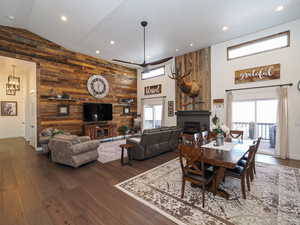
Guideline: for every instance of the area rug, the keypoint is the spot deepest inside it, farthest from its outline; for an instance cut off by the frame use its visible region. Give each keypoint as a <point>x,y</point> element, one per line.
<point>274,197</point>
<point>110,151</point>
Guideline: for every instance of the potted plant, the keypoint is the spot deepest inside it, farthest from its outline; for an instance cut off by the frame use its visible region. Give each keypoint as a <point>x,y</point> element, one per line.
<point>123,130</point>
<point>220,130</point>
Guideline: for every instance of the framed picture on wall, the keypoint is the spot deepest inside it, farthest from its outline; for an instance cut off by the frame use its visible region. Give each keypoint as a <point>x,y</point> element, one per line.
<point>9,108</point>
<point>170,108</point>
<point>63,110</point>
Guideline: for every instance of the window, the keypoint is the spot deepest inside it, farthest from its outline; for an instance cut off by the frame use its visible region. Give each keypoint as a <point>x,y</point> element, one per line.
<point>152,116</point>
<point>268,43</point>
<point>153,73</point>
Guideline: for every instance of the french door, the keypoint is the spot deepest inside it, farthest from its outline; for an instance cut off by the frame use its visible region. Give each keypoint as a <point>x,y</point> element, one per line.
<point>257,118</point>
<point>152,116</point>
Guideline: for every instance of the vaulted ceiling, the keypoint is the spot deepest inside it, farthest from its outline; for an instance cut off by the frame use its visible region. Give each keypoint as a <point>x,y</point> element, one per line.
<point>173,24</point>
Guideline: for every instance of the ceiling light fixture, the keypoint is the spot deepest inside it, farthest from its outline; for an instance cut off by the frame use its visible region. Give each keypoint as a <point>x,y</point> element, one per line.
<point>112,42</point>
<point>279,8</point>
<point>224,28</point>
<point>97,52</point>
<point>11,17</point>
<point>64,18</point>
<point>177,50</point>
<point>191,44</point>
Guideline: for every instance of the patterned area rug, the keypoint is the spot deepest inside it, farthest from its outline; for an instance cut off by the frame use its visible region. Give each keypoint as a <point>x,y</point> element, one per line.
<point>110,151</point>
<point>274,197</point>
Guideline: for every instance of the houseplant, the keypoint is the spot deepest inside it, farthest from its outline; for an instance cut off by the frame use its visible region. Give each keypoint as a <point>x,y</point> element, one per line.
<point>123,130</point>
<point>220,130</point>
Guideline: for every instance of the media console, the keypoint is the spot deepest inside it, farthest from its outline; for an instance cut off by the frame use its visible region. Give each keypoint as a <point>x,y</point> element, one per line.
<point>98,130</point>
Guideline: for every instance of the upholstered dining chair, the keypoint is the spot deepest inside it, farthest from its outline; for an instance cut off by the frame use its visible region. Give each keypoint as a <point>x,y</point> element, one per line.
<point>245,158</point>
<point>236,134</point>
<point>193,169</point>
<point>243,172</point>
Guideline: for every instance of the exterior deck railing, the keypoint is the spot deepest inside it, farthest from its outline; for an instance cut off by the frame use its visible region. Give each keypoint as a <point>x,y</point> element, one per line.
<point>265,130</point>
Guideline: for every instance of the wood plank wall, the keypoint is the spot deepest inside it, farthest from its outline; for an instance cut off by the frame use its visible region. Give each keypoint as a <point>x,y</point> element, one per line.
<point>200,62</point>
<point>68,71</point>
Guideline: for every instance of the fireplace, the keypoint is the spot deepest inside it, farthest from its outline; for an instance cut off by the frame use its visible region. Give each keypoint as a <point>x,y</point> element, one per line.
<point>193,122</point>
<point>191,127</point>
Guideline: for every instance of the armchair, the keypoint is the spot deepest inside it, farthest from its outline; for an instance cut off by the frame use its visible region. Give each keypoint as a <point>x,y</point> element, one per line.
<point>72,150</point>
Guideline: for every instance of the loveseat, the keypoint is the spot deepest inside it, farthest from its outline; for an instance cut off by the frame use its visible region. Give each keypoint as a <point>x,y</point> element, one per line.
<point>154,142</point>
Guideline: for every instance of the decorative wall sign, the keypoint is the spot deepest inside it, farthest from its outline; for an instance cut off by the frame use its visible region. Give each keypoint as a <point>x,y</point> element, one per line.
<point>153,90</point>
<point>9,108</point>
<point>269,72</point>
<point>63,110</point>
<point>98,86</point>
<point>170,108</point>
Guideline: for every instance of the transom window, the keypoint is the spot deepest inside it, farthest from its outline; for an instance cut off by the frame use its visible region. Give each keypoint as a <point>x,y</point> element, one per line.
<point>280,40</point>
<point>153,73</point>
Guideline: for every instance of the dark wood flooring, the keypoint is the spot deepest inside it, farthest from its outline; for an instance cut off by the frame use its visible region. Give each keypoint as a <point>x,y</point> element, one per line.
<point>35,191</point>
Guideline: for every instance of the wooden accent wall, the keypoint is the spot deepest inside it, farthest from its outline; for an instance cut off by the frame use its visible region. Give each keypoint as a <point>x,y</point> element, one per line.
<point>201,74</point>
<point>68,71</point>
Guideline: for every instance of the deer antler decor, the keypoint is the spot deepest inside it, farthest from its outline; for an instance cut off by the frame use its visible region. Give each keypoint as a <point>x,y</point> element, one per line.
<point>191,88</point>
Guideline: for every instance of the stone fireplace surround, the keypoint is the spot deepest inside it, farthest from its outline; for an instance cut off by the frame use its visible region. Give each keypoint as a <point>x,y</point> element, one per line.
<point>193,121</point>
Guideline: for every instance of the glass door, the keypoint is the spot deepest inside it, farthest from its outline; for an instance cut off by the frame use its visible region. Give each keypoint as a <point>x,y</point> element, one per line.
<point>152,116</point>
<point>257,118</point>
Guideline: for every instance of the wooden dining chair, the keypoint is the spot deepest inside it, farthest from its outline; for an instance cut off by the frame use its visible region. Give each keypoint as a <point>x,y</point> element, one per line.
<point>193,169</point>
<point>191,139</point>
<point>236,134</point>
<point>243,172</point>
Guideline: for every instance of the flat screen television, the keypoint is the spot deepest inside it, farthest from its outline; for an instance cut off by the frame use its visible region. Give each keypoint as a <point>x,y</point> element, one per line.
<point>97,112</point>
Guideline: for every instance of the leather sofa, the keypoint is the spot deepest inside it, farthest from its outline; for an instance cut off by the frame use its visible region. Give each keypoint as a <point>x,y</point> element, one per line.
<point>72,150</point>
<point>154,142</point>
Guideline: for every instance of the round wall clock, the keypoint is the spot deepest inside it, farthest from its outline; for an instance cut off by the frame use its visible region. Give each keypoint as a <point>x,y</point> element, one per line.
<point>97,86</point>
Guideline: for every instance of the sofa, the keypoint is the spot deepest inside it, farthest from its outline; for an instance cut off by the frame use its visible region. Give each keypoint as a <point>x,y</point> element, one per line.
<point>72,150</point>
<point>153,142</point>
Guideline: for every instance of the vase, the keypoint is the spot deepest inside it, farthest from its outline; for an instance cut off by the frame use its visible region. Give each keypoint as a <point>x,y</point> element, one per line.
<point>219,139</point>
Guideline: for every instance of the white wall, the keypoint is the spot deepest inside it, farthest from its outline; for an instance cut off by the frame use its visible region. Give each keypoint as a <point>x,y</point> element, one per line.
<point>168,90</point>
<point>223,73</point>
<point>14,126</point>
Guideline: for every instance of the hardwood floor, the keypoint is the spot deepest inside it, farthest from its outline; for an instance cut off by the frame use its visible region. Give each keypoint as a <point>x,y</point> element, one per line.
<point>35,191</point>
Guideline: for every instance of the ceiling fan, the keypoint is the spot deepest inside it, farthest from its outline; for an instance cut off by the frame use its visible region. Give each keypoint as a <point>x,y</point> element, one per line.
<point>144,64</point>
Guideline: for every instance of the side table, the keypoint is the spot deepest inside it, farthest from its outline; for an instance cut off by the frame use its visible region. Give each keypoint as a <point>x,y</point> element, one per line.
<point>129,155</point>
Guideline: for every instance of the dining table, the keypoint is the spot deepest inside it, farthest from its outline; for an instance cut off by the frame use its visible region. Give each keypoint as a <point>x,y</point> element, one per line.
<point>224,157</point>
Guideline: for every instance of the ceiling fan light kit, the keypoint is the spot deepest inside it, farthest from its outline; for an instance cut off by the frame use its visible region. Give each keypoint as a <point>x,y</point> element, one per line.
<point>144,64</point>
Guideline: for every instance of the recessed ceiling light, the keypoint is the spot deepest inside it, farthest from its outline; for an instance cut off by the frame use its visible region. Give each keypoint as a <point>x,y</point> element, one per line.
<point>112,42</point>
<point>279,8</point>
<point>11,17</point>
<point>176,49</point>
<point>64,18</point>
<point>224,28</point>
<point>97,52</point>
<point>191,44</point>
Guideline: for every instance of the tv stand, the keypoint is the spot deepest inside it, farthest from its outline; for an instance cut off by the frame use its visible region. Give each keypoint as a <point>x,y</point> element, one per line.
<point>98,130</point>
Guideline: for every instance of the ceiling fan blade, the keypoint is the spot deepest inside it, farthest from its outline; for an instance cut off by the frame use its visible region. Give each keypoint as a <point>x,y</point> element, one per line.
<point>122,61</point>
<point>159,61</point>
